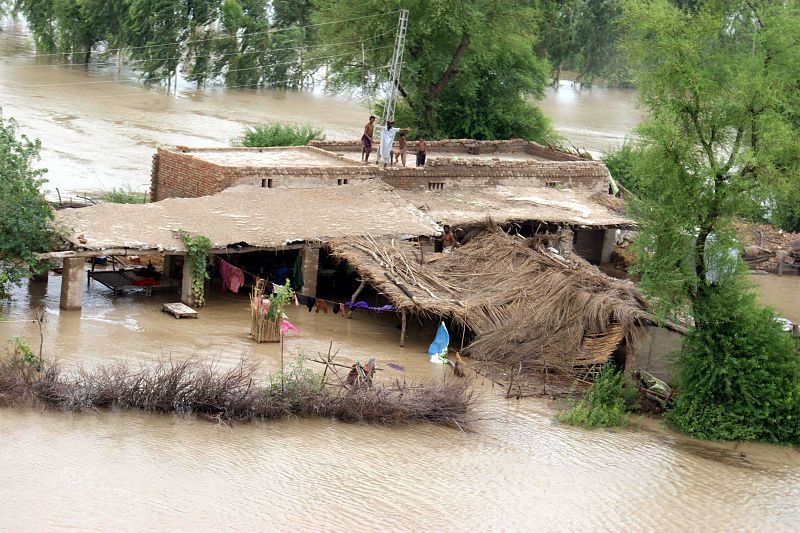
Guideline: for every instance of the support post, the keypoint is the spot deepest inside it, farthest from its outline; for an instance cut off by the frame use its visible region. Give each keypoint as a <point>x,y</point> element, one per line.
<point>166,271</point>
<point>355,295</point>
<point>72,284</point>
<point>310,270</point>
<point>186,285</point>
<point>566,241</point>
<point>403,314</point>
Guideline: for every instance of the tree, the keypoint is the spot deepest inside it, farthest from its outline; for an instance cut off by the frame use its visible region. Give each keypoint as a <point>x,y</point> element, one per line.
<point>25,216</point>
<point>720,83</point>
<point>457,53</point>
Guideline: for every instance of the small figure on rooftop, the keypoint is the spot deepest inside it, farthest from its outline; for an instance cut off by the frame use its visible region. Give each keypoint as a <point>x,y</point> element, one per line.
<point>387,141</point>
<point>400,155</point>
<point>422,151</point>
<point>366,139</point>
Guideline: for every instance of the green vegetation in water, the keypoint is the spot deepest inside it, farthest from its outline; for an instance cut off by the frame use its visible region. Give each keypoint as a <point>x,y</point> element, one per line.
<point>739,376</point>
<point>604,405</point>
<point>25,216</point>
<point>197,248</point>
<point>122,195</point>
<point>266,135</point>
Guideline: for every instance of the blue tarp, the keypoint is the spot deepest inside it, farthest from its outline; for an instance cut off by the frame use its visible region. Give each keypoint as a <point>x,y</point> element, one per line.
<point>438,348</point>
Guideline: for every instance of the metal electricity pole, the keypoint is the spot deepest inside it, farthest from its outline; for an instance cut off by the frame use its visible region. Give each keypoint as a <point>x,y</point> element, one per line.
<point>396,67</point>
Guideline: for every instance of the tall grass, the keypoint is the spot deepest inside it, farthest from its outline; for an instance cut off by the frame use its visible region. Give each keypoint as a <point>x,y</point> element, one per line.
<point>122,195</point>
<point>603,406</point>
<point>266,135</point>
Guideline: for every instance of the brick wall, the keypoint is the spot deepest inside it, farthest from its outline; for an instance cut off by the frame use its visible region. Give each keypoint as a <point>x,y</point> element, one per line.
<point>176,172</point>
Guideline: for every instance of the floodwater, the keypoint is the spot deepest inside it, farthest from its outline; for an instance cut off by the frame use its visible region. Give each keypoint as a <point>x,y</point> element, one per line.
<point>128,471</point>
<point>518,469</point>
<point>99,128</point>
<point>780,293</point>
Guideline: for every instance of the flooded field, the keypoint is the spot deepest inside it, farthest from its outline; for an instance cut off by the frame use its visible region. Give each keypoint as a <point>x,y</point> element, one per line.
<point>129,471</point>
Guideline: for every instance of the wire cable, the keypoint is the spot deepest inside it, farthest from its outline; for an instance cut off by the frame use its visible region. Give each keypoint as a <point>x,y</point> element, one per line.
<point>278,30</point>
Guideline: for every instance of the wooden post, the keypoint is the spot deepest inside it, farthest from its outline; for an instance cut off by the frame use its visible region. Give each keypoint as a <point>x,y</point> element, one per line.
<point>403,314</point>
<point>355,295</point>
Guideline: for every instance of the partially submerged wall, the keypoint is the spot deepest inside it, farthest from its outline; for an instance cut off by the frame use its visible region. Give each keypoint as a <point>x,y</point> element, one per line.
<point>655,352</point>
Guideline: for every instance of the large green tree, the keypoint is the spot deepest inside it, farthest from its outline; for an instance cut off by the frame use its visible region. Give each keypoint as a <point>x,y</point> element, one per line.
<point>470,69</point>
<point>720,83</point>
<point>25,216</point>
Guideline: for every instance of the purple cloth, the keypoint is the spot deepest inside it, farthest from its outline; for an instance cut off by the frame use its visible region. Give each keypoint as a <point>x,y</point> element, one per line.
<point>367,142</point>
<point>365,305</point>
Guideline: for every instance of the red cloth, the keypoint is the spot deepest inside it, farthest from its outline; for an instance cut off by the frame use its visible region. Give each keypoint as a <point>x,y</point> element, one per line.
<point>232,277</point>
<point>145,282</point>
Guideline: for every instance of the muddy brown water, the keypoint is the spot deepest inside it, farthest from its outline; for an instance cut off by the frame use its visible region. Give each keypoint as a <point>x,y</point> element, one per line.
<point>128,471</point>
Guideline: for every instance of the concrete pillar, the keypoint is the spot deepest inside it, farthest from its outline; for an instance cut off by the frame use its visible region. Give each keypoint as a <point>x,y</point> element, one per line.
<point>186,286</point>
<point>72,284</point>
<point>169,260</point>
<point>609,242</point>
<point>310,270</point>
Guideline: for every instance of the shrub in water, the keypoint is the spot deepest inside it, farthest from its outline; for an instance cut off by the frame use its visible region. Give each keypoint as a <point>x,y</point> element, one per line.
<point>266,135</point>
<point>603,406</point>
<point>739,373</point>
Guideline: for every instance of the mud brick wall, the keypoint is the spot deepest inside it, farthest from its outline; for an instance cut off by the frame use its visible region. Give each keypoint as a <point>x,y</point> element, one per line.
<point>177,172</point>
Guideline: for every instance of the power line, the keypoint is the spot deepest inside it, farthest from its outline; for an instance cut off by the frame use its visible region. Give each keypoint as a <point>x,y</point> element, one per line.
<point>278,30</point>
<point>224,87</point>
<point>210,56</point>
<point>300,62</point>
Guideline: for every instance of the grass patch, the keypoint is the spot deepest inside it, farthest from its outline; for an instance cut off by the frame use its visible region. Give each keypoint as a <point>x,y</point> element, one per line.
<point>604,405</point>
<point>122,195</point>
<point>266,135</point>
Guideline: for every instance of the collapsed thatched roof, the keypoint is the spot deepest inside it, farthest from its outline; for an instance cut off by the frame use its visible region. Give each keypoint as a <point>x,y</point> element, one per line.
<point>523,304</point>
<point>260,217</point>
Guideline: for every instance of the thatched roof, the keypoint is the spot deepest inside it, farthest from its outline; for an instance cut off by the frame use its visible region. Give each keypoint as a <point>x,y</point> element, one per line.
<point>523,304</point>
<point>260,217</point>
<point>472,205</point>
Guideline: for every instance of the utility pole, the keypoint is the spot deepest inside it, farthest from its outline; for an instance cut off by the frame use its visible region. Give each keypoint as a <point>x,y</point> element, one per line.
<point>396,66</point>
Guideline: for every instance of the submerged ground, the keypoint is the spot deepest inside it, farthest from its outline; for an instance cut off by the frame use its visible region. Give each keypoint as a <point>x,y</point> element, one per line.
<point>132,471</point>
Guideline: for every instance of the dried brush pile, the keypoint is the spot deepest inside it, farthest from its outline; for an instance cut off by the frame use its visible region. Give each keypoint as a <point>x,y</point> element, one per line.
<point>524,303</point>
<point>231,394</point>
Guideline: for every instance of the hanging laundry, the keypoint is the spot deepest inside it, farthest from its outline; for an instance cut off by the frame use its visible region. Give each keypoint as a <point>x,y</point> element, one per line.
<point>295,300</point>
<point>232,277</point>
<point>360,304</point>
<point>438,348</point>
<point>311,302</point>
<point>287,326</point>
<point>341,311</point>
<point>335,309</point>
<point>298,272</point>
<point>321,305</point>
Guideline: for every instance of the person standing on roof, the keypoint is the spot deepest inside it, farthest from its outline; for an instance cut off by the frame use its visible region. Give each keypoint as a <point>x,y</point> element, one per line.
<point>387,141</point>
<point>366,139</point>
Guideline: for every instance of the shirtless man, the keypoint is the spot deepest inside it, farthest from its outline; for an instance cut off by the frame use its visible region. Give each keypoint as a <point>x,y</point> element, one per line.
<point>366,139</point>
<point>449,240</point>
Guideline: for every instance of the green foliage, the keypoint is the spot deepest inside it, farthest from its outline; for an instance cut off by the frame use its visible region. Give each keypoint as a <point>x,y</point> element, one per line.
<point>621,164</point>
<point>197,248</point>
<point>22,354</point>
<point>719,85</point>
<point>469,67</point>
<point>278,300</point>
<point>739,375</point>
<point>603,406</point>
<point>25,216</point>
<point>277,134</point>
<point>122,195</point>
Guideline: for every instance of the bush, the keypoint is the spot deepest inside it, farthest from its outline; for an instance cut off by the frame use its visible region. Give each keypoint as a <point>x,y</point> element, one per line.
<point>739,373</point>
<point>266,135</point>
<point>620,163</point>
<point>603,406</point>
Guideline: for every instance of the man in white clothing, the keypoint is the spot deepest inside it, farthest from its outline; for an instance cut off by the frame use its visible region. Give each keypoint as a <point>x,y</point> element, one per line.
<point>387,141</point>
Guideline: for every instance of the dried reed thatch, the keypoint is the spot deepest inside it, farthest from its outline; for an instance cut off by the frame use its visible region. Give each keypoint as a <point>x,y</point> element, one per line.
<point>524,303</point>
<point>232,394</point>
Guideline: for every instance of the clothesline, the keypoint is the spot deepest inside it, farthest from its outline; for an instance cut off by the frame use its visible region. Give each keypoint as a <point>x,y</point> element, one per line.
<point>311,302</point>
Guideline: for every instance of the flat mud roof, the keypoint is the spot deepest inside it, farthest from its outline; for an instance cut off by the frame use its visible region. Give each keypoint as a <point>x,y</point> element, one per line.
<point>277,157</point>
